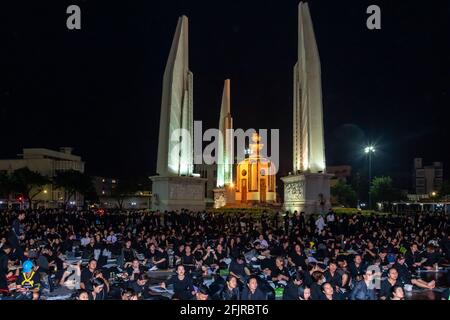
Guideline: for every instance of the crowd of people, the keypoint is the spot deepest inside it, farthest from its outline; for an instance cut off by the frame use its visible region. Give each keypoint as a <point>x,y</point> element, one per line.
<point>220,256</point>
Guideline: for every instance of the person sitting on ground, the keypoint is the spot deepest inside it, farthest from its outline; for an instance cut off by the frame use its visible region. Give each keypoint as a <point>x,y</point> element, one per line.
<point>28,284</point>
<point>297,258</point>
<point>140,285</point>
<point>332,276</point>
<point>4,267</point>
<point>202,293</point>
<point>100,290</point>
<point>316,286</point>
<point>81,295</point>
<point>413,257</point>
<point>431,257</point>
<point>357,268</point>
<point>182,284</point>
<point>188,259</point>
<point>291,291</point>
<point>364,289</point>
<point>135,269</point>
<point>90,273</point>
<point>387,284</point>
<point>251,290</point>
<point>304,293</point>
<point>239,269</point>
<point>404,275</point>
<point>329,293</point>
<point>280,272</point>
<point>231,290</point>
<point>397,293</point>
<point>128,295</point>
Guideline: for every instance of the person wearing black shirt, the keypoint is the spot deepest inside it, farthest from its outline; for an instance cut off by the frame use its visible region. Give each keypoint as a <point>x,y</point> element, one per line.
<point>317,280</point>
<point>332,276</point>
<point>238,268</point>
<point>405,277</point>
<point>4,259</point>
<point>280,272</point>
<point>357,268</point>
<point>251,291</point>
<point>161,259</point>
<point>128,252</point>
<point>16,235</point>
<point>89,274</point>
<point>297,258</point>
<point>397,293</point>
<point>412,256</point>
<point>231,290</point>
<point>387,284</point>
<point>182,284</point>
<point>329,293</point>
<point>432,257</point>
<point>135,269</point>
<point>210,257</point>
<point>140,286</point>
<point>291,291</point>
<point>188,259</point>
<point>99,291</point>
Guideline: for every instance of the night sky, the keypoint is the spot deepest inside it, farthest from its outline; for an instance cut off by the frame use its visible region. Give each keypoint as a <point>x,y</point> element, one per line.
<point>99,89</point>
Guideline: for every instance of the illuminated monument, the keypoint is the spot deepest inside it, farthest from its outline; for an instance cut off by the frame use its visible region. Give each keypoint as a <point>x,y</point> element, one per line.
<point>224,193</point>
<point>175,187</point>
<point>308,187</point>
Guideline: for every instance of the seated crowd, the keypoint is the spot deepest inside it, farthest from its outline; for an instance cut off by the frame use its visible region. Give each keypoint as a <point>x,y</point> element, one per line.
<point>219,256</point>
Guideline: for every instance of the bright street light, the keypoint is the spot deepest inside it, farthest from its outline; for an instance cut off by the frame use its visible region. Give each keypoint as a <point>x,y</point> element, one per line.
<point>369,149</point>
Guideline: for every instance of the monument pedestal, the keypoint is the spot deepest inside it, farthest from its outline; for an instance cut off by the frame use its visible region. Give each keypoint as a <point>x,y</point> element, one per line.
<point>178,192</point>
<point>307,192</point>
<point>225,196</point>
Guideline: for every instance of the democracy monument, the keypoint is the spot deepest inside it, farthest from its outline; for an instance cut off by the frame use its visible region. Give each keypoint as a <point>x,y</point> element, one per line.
<point>176,186</point>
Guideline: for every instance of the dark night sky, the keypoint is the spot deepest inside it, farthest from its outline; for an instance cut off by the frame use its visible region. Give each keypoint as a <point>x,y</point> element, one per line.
<point>99,89</point>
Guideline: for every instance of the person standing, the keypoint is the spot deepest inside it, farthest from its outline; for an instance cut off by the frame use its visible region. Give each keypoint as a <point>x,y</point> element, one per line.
<point>17,234</point>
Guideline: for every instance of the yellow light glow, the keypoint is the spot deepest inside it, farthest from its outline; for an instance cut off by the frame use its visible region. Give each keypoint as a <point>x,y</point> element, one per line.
<point>45,191</point>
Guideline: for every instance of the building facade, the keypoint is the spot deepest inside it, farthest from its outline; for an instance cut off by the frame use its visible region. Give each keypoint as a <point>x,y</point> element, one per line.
<point>255,177</point>
<point>427,179</point>
<point>46,162</point>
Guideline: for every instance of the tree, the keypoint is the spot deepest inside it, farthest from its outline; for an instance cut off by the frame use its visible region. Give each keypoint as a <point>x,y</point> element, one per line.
<point>72,182</point>
<point>28,183</point>
<point>383,191</point>
<point>6,187</point>
<point>345,194</point>
<point>444,192</point>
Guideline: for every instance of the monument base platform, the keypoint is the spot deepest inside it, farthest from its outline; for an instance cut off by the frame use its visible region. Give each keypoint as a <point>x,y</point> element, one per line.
<point>224,197</point>
<point>307,192</point>
<point>176,193</point>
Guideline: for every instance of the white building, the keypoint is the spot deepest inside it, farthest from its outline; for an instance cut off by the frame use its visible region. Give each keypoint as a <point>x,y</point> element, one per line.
<point>47,162</point>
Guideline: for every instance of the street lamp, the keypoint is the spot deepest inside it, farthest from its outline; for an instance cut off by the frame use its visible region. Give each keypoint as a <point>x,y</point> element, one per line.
<point>369,150</point>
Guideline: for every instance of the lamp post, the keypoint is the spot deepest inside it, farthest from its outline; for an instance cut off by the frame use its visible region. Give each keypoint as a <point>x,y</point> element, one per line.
<point>369,150</point>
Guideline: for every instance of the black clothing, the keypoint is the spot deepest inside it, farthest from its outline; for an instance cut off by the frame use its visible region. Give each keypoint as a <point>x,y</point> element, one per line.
<point>230,294</point>
<point>182,288</point>
<point>86,278</point>
<point>385,289</point>
<point>248,295</point>
<point>291,291</point>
